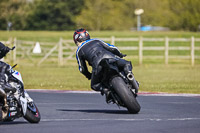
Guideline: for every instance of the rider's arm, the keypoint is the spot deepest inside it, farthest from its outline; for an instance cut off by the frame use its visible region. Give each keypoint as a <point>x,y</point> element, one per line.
<point>4,72</point>
<point>113,49</point>
<point>3,50</point>
<point>83,67</point>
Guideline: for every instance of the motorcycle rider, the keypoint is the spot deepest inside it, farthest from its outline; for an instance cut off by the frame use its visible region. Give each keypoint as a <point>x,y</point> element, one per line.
<point>94,51</point>
<point>3,70</point>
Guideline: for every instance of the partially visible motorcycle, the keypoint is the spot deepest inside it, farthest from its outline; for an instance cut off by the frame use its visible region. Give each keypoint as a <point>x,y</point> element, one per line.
<point>122,88</point>
<point>16,102</point>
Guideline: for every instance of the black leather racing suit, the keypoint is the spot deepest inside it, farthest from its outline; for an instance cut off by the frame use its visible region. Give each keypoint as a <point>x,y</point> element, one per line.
<point>3,70</point>
<point>93,51</point>
<point>3,66</point>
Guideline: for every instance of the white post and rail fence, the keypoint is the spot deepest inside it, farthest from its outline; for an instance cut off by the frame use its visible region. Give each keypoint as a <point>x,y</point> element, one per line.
<point>65,50</point>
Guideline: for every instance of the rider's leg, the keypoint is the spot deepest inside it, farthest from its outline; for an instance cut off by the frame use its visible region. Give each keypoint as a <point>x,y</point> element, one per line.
<point>5,105</point>
<point>3,95</point>
<point>97,86</point>
<point>95,82</point>
<point>3,69</point>
<point>2,87</point>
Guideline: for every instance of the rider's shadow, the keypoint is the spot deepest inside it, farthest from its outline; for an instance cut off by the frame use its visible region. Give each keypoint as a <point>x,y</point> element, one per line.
<point>96,111</point>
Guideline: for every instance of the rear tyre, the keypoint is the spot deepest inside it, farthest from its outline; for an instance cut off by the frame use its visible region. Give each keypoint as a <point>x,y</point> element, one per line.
<point>32,113</point>
<point>1,119</point>
<point>125,94</point>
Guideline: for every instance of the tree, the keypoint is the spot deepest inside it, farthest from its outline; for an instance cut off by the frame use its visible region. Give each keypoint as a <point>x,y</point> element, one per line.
<point>53,14</point>
<point>13,11</point>
<point>93,14</point>
<point>103,15</point>
<point>155,12</point>
<point>98,14</point>
<point>119,14</point>
<point>186,14</point>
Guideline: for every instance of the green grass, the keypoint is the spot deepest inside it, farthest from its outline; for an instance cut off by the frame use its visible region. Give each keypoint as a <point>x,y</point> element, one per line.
<point>54,36</point>
<point>53,77</point>
<point>172,79</point>
<point>152,78</point>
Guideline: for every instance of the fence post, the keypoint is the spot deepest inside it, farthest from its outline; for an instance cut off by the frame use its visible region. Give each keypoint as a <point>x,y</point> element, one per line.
<point>48,54</point>
<point>166,50</point>
<point>60,53</point>
<point>140,50</point>
<point>192,51</point>
<point>112,40</point>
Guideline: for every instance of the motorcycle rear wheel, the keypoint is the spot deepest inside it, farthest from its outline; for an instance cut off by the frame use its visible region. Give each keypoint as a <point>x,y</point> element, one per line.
<point>125,94</point>
<point>1,113</point>
<point>31,116</point>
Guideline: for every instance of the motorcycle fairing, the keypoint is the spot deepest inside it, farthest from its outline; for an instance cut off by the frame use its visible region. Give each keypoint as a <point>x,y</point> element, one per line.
<point>23,102</point>
<point>17,75</point>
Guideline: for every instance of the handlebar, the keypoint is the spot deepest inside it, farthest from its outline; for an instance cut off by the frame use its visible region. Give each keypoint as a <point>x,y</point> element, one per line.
<point>12,48</point>
<point>14,66</point>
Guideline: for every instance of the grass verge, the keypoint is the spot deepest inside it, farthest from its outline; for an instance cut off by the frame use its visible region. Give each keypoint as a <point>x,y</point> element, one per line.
<point>153,78</point>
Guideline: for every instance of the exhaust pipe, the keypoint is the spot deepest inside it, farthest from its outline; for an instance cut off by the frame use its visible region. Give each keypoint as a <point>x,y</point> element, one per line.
<point>130,76</point>
<point>133,82</point>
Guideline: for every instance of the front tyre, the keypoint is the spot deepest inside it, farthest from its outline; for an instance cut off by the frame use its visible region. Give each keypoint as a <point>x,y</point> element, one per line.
<point>125,95</point>
<point>32,113</point>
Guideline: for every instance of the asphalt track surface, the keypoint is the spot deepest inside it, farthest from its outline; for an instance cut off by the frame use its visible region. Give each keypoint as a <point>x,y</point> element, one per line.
<point>67,112</point>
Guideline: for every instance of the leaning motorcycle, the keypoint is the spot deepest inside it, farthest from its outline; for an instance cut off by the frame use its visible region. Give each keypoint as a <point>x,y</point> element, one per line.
<point>16,101</point>
<point>122,91</point>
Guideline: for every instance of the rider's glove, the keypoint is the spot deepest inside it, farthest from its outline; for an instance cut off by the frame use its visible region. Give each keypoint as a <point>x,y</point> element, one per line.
<point>122,55</point>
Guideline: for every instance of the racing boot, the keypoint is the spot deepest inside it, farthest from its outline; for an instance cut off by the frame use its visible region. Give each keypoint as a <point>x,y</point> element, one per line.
<point>107,94</point>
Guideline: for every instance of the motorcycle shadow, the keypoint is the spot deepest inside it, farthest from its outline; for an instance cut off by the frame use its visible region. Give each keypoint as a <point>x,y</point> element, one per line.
<point>13,123</point>
<point>96,111</point>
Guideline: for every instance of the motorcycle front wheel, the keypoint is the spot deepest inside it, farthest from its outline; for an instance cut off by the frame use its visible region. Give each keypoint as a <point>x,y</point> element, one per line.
<point>125,94</point>
<point>32,113</point>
